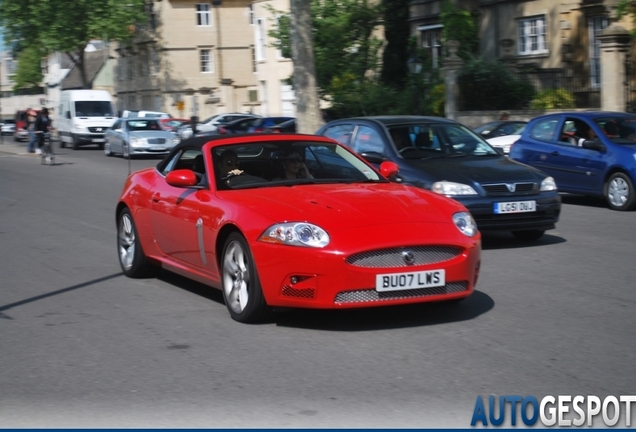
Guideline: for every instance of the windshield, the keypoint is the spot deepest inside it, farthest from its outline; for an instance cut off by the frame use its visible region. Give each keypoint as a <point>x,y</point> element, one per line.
<point>428,140</point>
<point>94,109</point>
<point>143,125</point>
<point>620,130</point>
<point>288,163</point>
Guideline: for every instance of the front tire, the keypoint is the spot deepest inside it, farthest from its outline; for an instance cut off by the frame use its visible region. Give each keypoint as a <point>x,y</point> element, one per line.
<point>528,235</point>
<point>132,259</point>
<point>619,192</point>
<point>241,287</point>
<point>107,151</point>
<point>75,142</point>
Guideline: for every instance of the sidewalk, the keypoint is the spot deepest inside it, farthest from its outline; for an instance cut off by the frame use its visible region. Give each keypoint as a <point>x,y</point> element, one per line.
<point>10,146</point>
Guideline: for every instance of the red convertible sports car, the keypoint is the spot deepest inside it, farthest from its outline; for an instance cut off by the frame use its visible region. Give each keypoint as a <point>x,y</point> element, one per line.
<point>290,220</point>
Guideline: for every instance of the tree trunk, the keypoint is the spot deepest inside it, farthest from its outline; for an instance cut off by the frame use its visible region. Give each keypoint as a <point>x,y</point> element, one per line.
<point>308,115</point>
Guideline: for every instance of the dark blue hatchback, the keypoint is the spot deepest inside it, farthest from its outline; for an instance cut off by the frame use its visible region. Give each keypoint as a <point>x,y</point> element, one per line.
<point>448,158</point>
<point>588,153</point>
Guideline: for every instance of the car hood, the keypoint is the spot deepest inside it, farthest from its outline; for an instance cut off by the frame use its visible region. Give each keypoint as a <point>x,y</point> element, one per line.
<point>334,207</point>
<point>474,169</point>
<point>503,140</point>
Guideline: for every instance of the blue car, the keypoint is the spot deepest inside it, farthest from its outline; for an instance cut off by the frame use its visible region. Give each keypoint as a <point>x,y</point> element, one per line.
<point>448,158</point>
<point>587,153</point>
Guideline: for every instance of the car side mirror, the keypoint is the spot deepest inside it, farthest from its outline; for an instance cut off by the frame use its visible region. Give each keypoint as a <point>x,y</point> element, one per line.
<point>389,169</point>
<point>594,145</point>
<point>373,157</point>
<point>182,178</point>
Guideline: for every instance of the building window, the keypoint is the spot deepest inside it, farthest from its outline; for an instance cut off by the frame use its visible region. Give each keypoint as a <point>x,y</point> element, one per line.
<point>121,69</point>
<point>431,37</point>
<point>205,58</point>
<point>595,27</point>
<point>203,14</point>
<point>532,38</point>
<point>155,61</point>
<point>259,44</point>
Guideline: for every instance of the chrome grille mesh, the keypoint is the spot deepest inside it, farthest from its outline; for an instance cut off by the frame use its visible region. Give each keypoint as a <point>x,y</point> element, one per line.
<point>519,188</point>
<point>371,295</point>
<point>156,140</point>
<point>394,257</point>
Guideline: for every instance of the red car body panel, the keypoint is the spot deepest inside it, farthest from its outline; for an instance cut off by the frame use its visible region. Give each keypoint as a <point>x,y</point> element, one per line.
<point>359,217</point>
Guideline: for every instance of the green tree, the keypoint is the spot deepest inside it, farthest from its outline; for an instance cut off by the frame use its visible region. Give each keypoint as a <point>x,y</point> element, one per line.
<point>396,52</point>
<point>69,25</point>
<point>626,8</point>
<point>344,45</point>
<point>460,25</point>
<point>28,73</point>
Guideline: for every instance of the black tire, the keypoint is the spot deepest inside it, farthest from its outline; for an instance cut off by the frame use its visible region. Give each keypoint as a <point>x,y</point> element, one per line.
<point>239,282</point>
<point>132,259</point>
<point>528,235</point>
<point>62,144</point>
<point>619,192</point>
<point>75,142</point>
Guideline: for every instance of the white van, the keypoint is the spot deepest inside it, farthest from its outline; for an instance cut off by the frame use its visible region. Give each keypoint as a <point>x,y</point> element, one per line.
<point>84,116</point>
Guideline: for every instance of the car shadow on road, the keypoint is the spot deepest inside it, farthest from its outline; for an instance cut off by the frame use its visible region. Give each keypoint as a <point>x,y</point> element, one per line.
<point>375,318</point>
<point>387,317</point>
<point>582,200</point>
<point>505,240</point>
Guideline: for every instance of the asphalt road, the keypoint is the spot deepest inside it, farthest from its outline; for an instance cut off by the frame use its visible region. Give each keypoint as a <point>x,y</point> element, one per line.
<point>83,346</point>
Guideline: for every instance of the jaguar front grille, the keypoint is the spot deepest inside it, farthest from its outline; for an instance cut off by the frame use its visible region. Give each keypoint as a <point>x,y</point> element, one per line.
<point>404,256</point>
<point>371,295</point>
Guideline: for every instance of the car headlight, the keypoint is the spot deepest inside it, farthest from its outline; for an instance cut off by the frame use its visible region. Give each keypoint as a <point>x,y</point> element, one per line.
<point>451,188</point>
<point>548,184</point>
<point>176,140</point>
<point>81,128</point>
<point>296,234</point>
<point>137,141</point>
<point>465,223</point>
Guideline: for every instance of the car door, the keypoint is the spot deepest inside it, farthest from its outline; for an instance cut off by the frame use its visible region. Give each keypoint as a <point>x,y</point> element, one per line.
<point>114,137</point>
<point>574,168</point>
<point>175,216</point>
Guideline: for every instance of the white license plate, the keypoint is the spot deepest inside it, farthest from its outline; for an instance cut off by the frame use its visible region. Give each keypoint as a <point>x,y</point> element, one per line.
<point>98,140</point>
<point>405,281</point>
<point>157,147</point>
<point>515,207</point>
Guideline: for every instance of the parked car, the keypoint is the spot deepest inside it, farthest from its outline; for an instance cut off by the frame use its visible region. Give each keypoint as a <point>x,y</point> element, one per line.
<point>588,153</point>
<point>504,142</point>
<point>234,127</point>
<point>20,132</point>
<point>499,128</point>
<point>208,212</point>
<point>138,136</point>
<point>171,124</point>
<point>448,158</point>
<point>211,123</point>
<point>8,127</point>
<point>263,123</point>
<point>288,126</point>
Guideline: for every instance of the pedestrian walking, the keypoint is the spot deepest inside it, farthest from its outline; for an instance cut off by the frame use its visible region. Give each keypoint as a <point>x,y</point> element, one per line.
<point>30,127</point>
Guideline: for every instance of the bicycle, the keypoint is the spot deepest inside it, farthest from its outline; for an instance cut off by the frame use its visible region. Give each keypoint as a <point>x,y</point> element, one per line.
<point>47,156</point>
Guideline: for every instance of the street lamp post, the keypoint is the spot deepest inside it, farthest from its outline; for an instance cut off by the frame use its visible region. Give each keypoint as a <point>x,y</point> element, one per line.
<point>415,68</point>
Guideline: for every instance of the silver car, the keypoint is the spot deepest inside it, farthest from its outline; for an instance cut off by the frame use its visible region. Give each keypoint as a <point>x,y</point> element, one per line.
<point>138,136</point>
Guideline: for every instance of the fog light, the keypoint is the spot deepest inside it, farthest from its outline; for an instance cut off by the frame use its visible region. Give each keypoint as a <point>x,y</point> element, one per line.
<point>293,280</point>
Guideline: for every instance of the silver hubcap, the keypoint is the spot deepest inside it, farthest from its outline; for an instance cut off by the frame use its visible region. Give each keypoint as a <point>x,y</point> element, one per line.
<point>126,237</point>
<point>236,277</point>
<point>618,192</point>
<point>107,148</point>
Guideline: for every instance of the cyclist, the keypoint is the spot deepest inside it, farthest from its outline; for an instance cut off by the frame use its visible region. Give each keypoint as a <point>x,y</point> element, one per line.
<point>43,128</point>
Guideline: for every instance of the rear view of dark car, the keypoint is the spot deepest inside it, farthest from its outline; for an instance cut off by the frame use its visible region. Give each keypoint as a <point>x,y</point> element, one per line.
<point>263,123</point>
<point>446,157</point>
